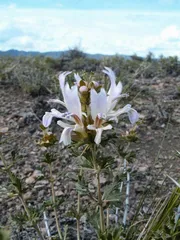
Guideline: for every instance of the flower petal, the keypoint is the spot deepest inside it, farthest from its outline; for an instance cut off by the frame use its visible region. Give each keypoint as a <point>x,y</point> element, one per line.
<point>71,97</point>
<point>133,116</point>
<point>62,78</point>
<point>112,77</point>
<point>98,103</point>
<point>114,91</point>
<point>108,127</point>
<point>77,78</point>
<point>120,111</point>
<point>66,136</point>
<point>99,131</point>
<point>57,101</point>
<point>72,100</point>
<point>97,139</point>
<point>47,118</point>
<point>63,124</point>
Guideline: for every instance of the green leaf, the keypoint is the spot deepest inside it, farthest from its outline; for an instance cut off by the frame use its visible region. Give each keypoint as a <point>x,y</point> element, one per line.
<point>4,235</point>
<point>49,158</point>
<point>111,193</point>
<point>16,183</point>
<point>81,188</point>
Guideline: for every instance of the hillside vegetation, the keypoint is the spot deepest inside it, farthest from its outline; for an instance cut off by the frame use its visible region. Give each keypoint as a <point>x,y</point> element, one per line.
<point>140,200</point>
<point>38,75</point>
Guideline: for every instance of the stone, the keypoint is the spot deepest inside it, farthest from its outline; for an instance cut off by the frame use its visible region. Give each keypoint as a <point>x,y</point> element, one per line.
<point>102,180</point>
<point>59,193</point>
<point>27,195</point>
<point>143,169</point>
<point>37,174</point>
<point>4,129</point>
<point>41,193</point>
<point>43,182</point>
<point>30,180</point>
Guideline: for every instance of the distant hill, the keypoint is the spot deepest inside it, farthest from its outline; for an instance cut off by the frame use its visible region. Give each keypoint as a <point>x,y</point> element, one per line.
<point>57,54</point>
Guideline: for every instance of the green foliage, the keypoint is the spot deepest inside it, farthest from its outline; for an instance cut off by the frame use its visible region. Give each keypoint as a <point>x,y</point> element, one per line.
<point>39,75</point>
<point>112,233</point>
<point>49,158</point>
<point>20,218</point>
<point>75,53</point>
<point>29,73</point>
<point>4,235</point>
<point>111,193</point>
<point>162,224</point>
<point>170,65</point>
<point>17,183</point>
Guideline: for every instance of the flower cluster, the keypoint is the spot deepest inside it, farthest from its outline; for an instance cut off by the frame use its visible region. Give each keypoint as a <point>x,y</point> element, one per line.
<point>90,109</point>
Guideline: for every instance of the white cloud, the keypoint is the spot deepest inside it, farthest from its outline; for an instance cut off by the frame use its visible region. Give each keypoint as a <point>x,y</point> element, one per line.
<point>11,6</point>
<point>59,5</point>
<point>98,31</point>
<point>167,1</point>
<point>170,32</point>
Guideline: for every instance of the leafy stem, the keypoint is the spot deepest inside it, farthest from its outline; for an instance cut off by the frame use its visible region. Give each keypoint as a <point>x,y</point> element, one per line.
<point>34,224</point>
<point>17,184</point>
<point>100,203</point>
<point>54,201</point>
<point>78,217</point>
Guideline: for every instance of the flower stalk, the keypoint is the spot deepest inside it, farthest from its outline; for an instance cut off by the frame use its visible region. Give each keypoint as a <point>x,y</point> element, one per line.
<point>78,217</point>
<point>107,217</point>
<point>54,202</point>
<point>35,225</point>
<point>100,203</point>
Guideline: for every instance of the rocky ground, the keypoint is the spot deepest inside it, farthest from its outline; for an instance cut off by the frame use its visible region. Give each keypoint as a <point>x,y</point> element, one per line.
<point>158,102</point>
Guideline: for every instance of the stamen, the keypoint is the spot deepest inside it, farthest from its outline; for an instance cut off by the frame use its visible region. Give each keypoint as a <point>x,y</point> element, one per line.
<point>77,119</point>
<point>101,115</point>
<point>98,121</point>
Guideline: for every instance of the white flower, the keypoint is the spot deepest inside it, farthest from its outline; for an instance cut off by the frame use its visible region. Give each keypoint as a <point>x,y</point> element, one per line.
<point>70,95</point>
<point>73,114</point>
<point>77,78</point>
<point>98,103</point>
<point>102,106</point>
<point>47,118</point>
<point>114,91</point>
<point>99,128</point>
<point>66,136</point>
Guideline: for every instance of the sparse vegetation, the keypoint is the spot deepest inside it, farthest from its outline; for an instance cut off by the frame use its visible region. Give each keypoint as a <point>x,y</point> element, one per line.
<point>38,75</point>
<point>101,175</point>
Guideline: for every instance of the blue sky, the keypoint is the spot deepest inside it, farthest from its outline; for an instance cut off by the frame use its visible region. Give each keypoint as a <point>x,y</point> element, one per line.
<point>98,4</point>
<point>96,26</point>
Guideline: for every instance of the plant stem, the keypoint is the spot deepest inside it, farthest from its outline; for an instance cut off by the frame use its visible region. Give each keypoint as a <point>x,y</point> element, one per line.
<point>100,202</point>
<point>78,218</point>
<point>35,225</point>
<point>107,218</point>
<point>54,201</point>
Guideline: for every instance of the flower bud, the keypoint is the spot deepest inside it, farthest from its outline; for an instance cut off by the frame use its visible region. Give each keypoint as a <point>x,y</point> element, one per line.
<point>83,89</point>
<point>96,84</point>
